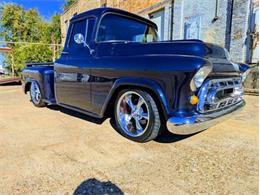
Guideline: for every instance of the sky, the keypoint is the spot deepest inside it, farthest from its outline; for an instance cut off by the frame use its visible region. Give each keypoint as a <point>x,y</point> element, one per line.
<point>46,8</point>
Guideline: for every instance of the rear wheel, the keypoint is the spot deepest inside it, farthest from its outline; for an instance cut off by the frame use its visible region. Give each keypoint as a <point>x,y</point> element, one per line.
<point>36,95</point>
<point>137,116</point>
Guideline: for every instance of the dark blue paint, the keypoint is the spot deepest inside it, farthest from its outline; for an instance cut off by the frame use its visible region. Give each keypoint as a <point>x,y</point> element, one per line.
<point>243,67</point>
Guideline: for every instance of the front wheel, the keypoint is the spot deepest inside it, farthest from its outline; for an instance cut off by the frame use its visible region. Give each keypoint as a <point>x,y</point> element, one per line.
<point>137,116</point>
<point>36,95</point>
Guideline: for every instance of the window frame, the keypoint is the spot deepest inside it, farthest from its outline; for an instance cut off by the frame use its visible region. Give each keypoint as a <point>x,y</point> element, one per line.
<point>125,16</point>
<point>72,22</point>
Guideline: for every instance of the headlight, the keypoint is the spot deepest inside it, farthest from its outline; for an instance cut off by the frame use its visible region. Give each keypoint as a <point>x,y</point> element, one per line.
<point>200,77</point>
<point>244,75</point>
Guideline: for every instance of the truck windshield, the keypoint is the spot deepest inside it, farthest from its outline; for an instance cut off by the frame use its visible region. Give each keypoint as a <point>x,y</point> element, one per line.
<point>115,28</point>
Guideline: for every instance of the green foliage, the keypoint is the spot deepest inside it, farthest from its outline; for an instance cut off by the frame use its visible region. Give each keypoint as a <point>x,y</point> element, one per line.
<point>28,53</point>
<point>20,25</point>
<point>68,3</point>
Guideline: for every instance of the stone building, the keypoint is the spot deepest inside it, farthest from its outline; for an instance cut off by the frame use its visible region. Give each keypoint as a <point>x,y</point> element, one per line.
<point>232,24</point>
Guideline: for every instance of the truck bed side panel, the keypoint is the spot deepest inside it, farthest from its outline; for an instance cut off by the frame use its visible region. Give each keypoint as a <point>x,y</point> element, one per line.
<point>44,75</point>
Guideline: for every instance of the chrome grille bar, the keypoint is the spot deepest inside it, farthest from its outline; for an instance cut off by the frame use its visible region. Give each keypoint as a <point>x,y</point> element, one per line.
<point>216,94</point>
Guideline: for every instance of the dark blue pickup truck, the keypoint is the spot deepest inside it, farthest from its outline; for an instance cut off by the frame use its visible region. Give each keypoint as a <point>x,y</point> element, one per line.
<point>113,65</point>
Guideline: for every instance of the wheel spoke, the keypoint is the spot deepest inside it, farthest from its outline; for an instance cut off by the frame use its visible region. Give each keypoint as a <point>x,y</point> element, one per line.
<point>35,93</point>
<point>140,102</point>
<point>125,119</point>
<point>138,125</point>
<point>145,116</point>
<point>128,99</point>
<point>38,96</point>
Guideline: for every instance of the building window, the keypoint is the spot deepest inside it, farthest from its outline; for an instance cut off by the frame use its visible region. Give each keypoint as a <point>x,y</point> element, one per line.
<point>192,28</point>
<point>158,18</point>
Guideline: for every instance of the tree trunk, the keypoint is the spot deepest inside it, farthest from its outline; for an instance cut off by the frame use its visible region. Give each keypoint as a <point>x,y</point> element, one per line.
<point>12,67</point>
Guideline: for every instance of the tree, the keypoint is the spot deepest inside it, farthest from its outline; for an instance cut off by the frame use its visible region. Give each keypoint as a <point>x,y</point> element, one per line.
<point>20,25</point>
<point>54,35</point>
<point>68,3</point>
<point>28,53</point>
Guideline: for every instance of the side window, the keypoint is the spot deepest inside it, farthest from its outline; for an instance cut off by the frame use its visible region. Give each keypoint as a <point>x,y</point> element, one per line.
<point>78,27</point>
<point>90,27</point>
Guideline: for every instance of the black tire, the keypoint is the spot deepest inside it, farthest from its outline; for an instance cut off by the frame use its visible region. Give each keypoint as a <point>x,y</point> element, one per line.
<point>153,125</point>
<point>38,102</point>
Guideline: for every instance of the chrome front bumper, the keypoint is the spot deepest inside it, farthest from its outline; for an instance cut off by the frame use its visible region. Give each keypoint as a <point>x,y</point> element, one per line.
<point>198,122</point>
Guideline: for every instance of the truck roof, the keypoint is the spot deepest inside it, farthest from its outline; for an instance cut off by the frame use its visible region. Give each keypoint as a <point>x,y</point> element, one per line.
<point>100,11</point>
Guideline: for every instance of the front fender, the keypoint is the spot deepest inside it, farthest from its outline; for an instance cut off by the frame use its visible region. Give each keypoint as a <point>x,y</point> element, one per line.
<point>140,82</point>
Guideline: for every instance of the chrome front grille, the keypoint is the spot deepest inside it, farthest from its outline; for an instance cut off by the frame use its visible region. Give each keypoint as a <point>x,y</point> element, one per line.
<point>216,94</point>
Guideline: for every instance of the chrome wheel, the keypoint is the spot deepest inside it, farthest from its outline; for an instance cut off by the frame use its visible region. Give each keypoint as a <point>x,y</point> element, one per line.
<point>35,93</point>
<point>133,114</point>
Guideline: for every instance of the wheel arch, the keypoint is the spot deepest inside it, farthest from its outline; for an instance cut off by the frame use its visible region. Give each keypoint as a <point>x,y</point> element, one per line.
<point>28,83</point>
<point>149,86</point>
<point>27,86</point>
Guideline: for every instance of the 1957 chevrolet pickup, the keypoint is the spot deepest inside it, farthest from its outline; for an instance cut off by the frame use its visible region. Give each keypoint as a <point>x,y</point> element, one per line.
<point>113,64</point>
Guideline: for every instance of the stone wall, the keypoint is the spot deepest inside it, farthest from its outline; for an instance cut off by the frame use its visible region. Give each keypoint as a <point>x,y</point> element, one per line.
<point>134,6</point>
<point>199,16</point>
<point>252,81</point>
<point>240,39</point>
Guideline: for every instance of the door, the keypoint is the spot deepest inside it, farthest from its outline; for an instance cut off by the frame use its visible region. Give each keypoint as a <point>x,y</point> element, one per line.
<point>158,19</point>
<point>72,80</point>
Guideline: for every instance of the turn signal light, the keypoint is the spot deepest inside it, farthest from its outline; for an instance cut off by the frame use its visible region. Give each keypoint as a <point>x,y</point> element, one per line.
<point>194,100</point>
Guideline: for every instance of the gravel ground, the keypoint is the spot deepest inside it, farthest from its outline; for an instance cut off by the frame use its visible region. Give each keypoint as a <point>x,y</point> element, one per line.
<point>56,151</point>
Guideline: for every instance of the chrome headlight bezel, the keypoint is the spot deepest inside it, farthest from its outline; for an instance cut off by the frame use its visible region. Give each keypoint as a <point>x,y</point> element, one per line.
<point>227,54</point>
<point>200,76</point>
<point>244,75</point>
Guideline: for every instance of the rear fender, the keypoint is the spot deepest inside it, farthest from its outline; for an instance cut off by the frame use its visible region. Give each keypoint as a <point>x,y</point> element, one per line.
<point>30,76</point>
<point>45,79</point>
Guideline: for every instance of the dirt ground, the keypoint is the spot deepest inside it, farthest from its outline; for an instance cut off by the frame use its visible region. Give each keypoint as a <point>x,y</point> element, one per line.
<point>56,151</point>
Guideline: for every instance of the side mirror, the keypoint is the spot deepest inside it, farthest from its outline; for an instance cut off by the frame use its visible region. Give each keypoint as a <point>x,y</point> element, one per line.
<point>79,38</point>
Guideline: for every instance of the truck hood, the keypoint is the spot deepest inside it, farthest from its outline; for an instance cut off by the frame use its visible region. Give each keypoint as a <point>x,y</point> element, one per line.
<point>213,53</point>
<point>180,47</point>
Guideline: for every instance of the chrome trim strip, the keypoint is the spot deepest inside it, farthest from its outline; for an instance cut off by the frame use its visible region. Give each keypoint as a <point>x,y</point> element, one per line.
<point>199,122</point>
